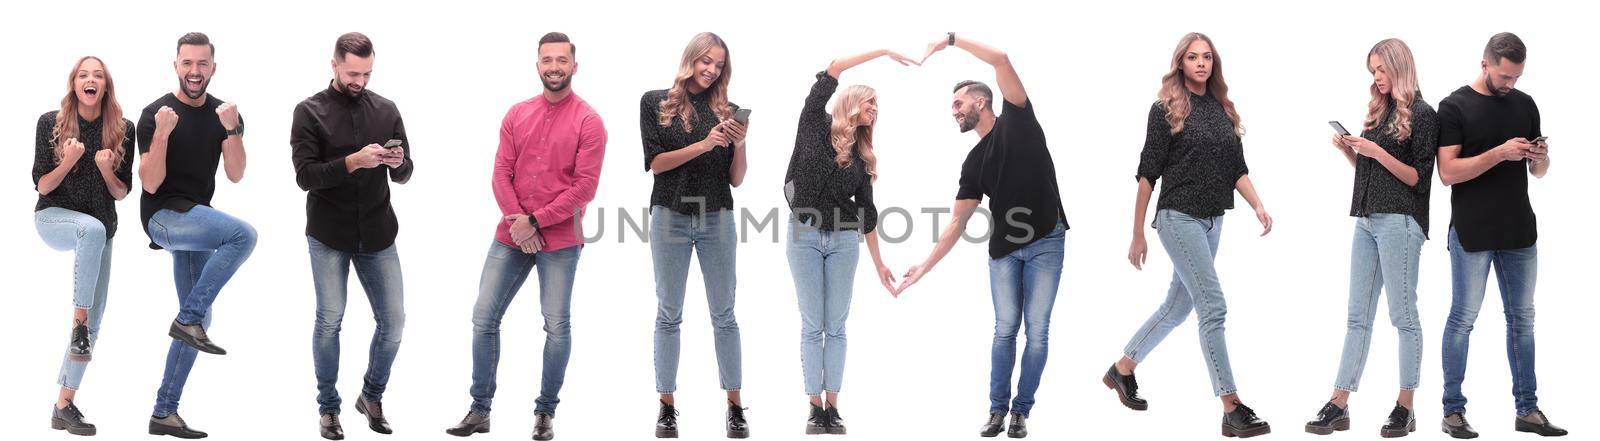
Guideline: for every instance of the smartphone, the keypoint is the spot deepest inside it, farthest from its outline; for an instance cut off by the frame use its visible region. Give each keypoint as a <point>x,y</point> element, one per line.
<point>1538,140</point>
<point>742,117</point>
<point>1339,128</point>
<point>392,143</point>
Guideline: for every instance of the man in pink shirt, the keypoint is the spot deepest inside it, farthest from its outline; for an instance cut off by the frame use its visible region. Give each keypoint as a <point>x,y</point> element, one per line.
<point>545,173</point>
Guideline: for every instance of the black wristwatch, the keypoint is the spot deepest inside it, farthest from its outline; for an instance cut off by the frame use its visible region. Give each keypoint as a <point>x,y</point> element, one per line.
<point>952,38</point>
<point>237,130</point>
<point>533,221</point>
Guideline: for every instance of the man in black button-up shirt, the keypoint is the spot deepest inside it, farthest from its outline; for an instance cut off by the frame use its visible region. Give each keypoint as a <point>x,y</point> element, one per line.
<point>348,143</point>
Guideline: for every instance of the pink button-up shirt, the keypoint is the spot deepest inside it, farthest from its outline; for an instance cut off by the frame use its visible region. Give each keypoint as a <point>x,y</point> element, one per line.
<point>548,166</point>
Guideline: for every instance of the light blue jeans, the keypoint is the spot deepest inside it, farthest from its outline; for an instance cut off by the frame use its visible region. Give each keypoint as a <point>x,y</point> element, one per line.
<point>673,238</point>
<point>207,247</point>
<point>379,272</point>
<point>1517,270</point>
<point>824,267</point>
<point>1191,243</point>
<point>1383,256</point>
<point>504,271</point>
<point>64,229</point>
<point>1023,285</point>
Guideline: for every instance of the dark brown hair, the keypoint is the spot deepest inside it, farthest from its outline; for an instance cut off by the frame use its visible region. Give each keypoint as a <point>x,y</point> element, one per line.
<point>1505,45</point>
<point>557,37</point>
<point>354,43</point>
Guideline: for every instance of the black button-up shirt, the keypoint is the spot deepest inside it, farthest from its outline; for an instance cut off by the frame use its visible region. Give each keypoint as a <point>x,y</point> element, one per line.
<point>347,211</point>
<point>1379,191</point>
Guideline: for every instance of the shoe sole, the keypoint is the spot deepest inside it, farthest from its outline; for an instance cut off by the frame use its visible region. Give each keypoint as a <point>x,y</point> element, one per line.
<point>189,340</point>
<point>163,430</point>
<point>80,358</point>
<point>1446,429</point>
<point>1396,433</point>
<point>738,435</point>
<point>1339,425</point>
<point>1537,432</point>
<point>1016,435</point>
<point>1230,432</point>
<point>836,431</point>
<point>480,429</point>
<point>335,438</point>
<point>988,435</point>
<point>1106,379</point>
<point>660,433</point>
<point>811,430</point>
<point>370,424</point>
<point>60,424</point>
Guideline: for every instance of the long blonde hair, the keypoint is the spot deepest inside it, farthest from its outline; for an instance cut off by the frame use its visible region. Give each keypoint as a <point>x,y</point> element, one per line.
<point>1174,96</point>
<point>677,103</point>
<point>112,127</point>
<point>1403,89</point>
<point>847,135</point>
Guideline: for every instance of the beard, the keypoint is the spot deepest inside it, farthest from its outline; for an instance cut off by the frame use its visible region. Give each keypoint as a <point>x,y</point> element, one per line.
<point>1494,89</point>
<point>350,90</point>
<point>556,86</point>
<point>969,122</point>
<point>183,84</point>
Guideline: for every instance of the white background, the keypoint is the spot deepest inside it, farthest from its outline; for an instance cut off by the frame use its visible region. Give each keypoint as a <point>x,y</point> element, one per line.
<point>918,365</point>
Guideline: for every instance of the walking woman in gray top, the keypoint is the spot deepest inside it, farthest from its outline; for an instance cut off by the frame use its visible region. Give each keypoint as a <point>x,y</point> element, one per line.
<point>829,188</point>
<point>83,154</point>
<point>1393,160</point>
<point>1191,140</point>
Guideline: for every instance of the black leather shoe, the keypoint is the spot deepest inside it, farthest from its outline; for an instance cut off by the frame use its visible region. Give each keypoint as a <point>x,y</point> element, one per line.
<point>1456,425</point>
<point>1331,418</point>
<point>329,423</point>
<point>71,420</point>
<point>1536,423</point>
<point>78,349</point>
<point>1242,422</point>
<point>1401,423</point>
<point>195,336</point>
<point>1126,387</point>
<point>543,426</point>
<point>667,421</point>
<point>996,424</point>
<point>817,423</point>
<point>373,410</point>
<point>473,423</point>
<point>1018,427</point>
<point>738,428</point>
<point>174,426</point>
<point>835,423</point>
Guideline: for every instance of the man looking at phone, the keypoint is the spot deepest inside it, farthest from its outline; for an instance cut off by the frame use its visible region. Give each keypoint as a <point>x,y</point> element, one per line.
<point>1489,142</point>
<point>348,143</point>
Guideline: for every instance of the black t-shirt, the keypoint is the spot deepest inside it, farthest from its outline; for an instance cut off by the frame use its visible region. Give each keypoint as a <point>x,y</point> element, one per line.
<point>1491,211</point>
<point>1012,166</point>
<point>194,149</point>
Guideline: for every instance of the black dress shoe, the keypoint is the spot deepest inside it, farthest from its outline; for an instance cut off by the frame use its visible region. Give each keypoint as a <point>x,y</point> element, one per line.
<point>174,426</point>
<point>667,421</point>
<point>329,424</point>
<point>543,426</point>
<point>195,336</point>
<point>78,349</point>
<point>996,424</point>
<point>1536,423</point>
<point>71,420</point>
<point>1242,422</point>
<point>1401,422</point>
<point>1018,427</point>
<point>738,428</point>
<point>373,410</point>
<point>474,422</point>
<point>817,423</point>
<point>835,423</point>
<point>1331,418</point>
<point>1456,425</point>
<point>1126,387</point>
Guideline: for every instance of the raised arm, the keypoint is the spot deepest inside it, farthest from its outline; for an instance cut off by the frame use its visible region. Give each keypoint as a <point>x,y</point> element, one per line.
<point>839,65</point>
<point>1005,75</point>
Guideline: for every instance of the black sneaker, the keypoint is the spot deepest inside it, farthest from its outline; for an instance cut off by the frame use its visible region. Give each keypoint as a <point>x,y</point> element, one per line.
<point>738,428</point>
<point>1018,427</point>
<point>996,424</point>
<point>667,421</point>
<point>1535,422</point>
<point>817,423</point>
<point>78,348</point>
<point>835,423</point>
<point>1401,423</point>
<point>71,420</point>
<point>1126,387</point>
<point>1331,418</point>
<point>1456,425</point>
<point>1242,422</point>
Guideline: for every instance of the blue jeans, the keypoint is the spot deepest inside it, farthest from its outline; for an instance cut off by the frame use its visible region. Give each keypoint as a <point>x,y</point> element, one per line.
<point>379,272</point>
<point>207,247</point>
<point>673,237</point>
<point>503,273</point>
<point>1191,243</point>
<point>1024,285</point>
<point>1517,270</point>
<point>1383,256</point>
<point>824,268</point>
<point>64,229</point>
